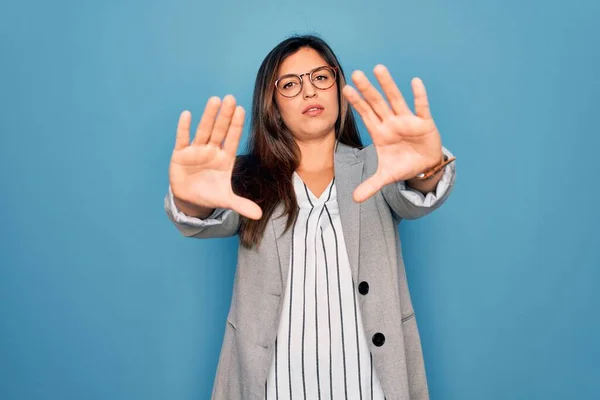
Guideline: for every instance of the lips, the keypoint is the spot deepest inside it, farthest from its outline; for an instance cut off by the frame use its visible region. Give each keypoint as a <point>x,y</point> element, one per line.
<point>312,108</point>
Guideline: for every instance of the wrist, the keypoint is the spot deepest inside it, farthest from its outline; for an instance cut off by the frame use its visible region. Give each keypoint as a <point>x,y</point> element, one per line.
<point>192,210</point>
<point>434,170</point>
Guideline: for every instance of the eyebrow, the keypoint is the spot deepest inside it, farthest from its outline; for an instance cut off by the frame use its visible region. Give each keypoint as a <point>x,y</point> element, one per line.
<point>306,72</point>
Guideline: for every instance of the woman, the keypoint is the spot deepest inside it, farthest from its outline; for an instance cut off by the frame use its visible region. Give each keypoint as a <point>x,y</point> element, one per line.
<point>320,308</point>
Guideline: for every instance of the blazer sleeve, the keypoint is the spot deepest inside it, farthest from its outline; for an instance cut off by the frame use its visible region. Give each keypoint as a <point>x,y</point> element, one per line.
<point>409,203</point>
<point>221,223</point>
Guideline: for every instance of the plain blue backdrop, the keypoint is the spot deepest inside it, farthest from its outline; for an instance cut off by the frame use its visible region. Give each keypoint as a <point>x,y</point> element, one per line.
<point>101,297</point>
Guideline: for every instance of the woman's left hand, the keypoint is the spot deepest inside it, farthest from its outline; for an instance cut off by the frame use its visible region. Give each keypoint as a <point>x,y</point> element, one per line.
<point>406,143</point>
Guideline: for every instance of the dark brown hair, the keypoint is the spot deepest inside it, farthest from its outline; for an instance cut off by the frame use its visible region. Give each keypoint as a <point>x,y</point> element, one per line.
<point>264,174</point>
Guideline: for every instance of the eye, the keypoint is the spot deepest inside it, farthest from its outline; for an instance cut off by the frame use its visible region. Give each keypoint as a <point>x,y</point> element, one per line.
<point>323,75</point>
<point>288,83</point>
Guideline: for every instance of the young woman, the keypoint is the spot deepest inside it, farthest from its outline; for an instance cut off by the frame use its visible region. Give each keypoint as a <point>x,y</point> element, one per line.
<point>320,307</point>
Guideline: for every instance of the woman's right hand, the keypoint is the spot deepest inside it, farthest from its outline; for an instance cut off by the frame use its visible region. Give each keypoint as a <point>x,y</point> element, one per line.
<point>200,172</point>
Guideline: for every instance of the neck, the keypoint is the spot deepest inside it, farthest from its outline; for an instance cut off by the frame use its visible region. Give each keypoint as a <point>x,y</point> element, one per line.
<point>317,154</point>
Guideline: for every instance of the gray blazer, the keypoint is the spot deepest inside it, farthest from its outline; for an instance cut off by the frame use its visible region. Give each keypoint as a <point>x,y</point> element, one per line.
<point>372,239</point>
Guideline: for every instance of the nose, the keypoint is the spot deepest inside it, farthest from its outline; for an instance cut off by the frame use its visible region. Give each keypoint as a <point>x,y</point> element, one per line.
<point>308,90</point>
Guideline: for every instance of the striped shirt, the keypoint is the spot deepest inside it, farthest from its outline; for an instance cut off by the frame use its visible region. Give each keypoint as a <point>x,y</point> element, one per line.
<point>321,351</point>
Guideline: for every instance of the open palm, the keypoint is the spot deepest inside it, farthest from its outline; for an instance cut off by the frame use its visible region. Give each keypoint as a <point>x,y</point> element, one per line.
<point>200,171</point>
<point>406,143</point>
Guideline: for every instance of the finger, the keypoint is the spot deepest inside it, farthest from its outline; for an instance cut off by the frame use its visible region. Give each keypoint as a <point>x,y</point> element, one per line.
<point>207,121</point>
<point>223,120</point>
<point>421,102</point>
<point>245,207</point>
<point>371,95</point>
<point>360,105</point>
<point>369,187</point>
<point>232,140</point>
<point>183,130</point>
<point>391,90</point>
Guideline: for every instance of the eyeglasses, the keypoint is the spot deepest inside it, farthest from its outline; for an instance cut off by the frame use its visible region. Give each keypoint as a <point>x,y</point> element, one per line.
<point>322,78</point>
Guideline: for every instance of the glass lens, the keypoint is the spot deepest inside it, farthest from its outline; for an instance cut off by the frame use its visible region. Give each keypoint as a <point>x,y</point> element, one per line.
<point>323,78</point>
<point>289,85</point>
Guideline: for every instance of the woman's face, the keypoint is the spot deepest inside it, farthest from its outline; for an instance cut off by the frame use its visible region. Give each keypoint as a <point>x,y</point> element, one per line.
<point>313,112</point>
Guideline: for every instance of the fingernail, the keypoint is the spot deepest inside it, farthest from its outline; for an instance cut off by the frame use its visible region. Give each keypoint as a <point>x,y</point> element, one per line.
<point>357,74</point>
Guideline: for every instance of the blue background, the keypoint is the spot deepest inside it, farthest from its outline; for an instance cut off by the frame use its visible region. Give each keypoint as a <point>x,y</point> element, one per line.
<point>100,296</point>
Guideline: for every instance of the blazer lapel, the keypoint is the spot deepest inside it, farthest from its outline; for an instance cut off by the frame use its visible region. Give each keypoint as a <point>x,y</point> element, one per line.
<point>348,175</point>
<point>283,242</point>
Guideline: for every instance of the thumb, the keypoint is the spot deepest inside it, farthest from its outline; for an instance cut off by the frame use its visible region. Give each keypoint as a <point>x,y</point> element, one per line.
<point>369,187</point>
<point>245,207</point>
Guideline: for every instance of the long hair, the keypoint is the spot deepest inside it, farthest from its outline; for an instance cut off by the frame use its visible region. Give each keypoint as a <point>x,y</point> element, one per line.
<point>264,174</point>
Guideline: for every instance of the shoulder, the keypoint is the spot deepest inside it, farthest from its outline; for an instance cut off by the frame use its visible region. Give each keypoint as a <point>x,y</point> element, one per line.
<point>350,155</point>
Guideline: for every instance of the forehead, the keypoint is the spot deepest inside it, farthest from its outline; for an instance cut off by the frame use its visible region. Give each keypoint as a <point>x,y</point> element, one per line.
<point>301,61</point>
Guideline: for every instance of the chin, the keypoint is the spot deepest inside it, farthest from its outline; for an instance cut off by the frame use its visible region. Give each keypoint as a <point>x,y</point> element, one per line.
<point>319,126</point>
<point>317,132</point>
<point>313,128</point>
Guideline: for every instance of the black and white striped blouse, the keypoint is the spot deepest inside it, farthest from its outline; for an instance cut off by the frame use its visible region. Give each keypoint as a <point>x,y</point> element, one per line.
<point>321,351</point>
